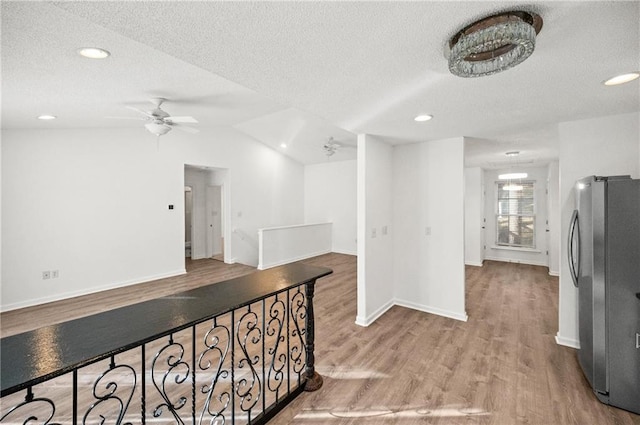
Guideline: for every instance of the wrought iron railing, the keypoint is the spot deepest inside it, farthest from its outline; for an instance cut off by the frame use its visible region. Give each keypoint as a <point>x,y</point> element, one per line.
<point>234,352</point>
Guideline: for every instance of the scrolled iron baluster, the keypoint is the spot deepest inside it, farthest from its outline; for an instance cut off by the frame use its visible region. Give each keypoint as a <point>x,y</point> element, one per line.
<point>109,397</point>
<point>249,392</point>
<point>218,349</point>
<point>174,363</point>
<point>299,315</point>
<point>27,408</point>
<point>277,316</point>
<point>314,380</point>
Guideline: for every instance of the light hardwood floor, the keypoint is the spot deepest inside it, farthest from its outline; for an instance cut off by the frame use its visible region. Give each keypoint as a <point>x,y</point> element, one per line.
<point>502,366</point>
<point>199,273</point>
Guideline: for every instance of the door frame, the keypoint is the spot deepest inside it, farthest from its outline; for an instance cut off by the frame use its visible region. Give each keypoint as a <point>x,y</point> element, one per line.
<point>211,176</point>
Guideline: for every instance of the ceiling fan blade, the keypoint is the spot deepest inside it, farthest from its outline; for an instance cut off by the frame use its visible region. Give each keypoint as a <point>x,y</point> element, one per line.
<point>145,113</point>
<point>189,120</point>
<point>185,128</point>
<point>127,118</point>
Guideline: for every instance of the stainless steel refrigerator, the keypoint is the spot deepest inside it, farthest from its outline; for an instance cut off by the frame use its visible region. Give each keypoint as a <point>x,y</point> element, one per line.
<point>604,261</point>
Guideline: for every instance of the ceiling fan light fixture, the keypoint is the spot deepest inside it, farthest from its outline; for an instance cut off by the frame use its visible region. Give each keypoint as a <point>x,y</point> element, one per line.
<point>157,128</point>
<point>93,53</point>
<point>621,79</point>
<point>423,118</point>
<point>494,44</point>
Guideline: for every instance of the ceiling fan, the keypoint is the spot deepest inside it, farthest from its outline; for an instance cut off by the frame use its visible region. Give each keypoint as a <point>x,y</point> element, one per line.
<point>331,146</point>
<point>160,122</point>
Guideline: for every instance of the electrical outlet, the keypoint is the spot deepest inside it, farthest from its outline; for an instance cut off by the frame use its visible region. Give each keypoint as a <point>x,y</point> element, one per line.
<point>374,233</point>
<point>46,275</point>
<point>55,274</point>
<point>384,230</point>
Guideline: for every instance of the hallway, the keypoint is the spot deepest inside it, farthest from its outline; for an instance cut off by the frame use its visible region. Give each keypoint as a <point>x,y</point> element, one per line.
<point>501,367</point>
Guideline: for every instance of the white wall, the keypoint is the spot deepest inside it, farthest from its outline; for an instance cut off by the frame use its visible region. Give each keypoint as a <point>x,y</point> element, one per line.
<point>599,146</point>
<point>375,259</point>
<point>553,208</point>
<point>473,216</point>
<point>330,195</point>
<point>537,256</point>
<point>428,202</point>
<point>93,204</point>
<point>286,244</point>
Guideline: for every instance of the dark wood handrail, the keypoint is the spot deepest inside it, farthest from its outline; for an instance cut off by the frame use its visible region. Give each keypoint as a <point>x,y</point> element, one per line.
<point>42,354</point>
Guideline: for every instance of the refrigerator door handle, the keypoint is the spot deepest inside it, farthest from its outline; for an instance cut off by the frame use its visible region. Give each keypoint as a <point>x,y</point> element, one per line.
<point>637,340</point>
<point>574,235</point>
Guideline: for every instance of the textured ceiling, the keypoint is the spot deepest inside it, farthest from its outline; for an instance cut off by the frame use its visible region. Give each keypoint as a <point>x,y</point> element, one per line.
<point>319,69</point>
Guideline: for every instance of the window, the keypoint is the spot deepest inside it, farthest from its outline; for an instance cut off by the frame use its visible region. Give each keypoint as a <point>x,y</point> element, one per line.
<point>515,214</point>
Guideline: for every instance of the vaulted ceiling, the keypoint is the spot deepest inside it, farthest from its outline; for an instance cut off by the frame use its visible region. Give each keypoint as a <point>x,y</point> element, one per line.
<point>301,72</point>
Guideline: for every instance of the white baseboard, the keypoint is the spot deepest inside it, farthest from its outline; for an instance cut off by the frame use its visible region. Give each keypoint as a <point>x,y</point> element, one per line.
<point>473,263</point>
<point>518,261</point>
<point>366,321</point>
<point>432,310</point>
<point>346,252</point>
<point>554,273</point>
<point>73,294</point>
<point>567,342</point>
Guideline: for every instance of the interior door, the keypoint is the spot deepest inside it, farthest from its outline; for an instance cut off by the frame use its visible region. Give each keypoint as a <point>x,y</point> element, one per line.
<point>547,230</point>
<point>188,219</point>
<point>214,220</point>
<point>483,236</point>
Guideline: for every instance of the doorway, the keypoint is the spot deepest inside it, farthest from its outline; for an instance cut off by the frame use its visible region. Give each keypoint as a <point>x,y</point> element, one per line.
<point>206,213</point>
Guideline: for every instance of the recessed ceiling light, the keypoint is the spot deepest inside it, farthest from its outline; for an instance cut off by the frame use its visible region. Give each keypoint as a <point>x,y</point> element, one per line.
<point>47,117</point>
<point>283,145</point>
<point>93,53</point>
<point>422,118</point>
<point>621,79</point>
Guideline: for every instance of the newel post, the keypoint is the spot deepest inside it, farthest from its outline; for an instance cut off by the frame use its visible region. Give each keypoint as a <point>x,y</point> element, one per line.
<point>314,380</point>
